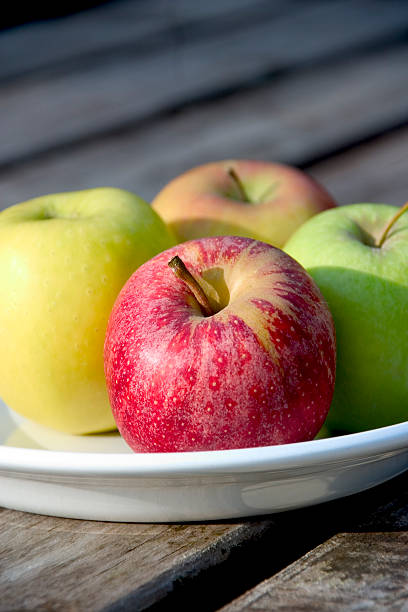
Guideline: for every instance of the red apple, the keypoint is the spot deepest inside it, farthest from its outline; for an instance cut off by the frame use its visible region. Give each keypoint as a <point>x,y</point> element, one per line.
<point>261,200</point>
<point>240,354</point>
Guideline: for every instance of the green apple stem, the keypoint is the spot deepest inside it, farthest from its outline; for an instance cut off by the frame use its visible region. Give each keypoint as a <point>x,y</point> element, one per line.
<point>395,218</point>
<point>239,185</point>
<point>180,270</point>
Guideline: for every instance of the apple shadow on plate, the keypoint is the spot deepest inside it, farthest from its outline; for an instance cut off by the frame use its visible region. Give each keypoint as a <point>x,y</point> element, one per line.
<point>23,433</point>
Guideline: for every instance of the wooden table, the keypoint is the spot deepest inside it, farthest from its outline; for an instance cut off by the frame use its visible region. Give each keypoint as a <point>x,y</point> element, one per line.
<point>130,94</point>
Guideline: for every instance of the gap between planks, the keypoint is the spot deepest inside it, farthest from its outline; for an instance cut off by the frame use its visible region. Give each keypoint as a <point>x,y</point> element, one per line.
<point>350,571</point>
<point>364,568</point>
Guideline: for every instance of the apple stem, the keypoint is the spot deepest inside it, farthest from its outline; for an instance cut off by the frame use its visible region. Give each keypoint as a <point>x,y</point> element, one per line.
<point>395,218</point>
<point>180,270</point>
<point>243,194</point>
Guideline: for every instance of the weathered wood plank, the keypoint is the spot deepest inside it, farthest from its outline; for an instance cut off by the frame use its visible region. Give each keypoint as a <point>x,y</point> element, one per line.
<point>363,568</point>
<point>116,26</point>
<point>60,564</point>
<point>293,119</point>
<point>351,571</point>
<point>60,108</point>
<point>373,172</point>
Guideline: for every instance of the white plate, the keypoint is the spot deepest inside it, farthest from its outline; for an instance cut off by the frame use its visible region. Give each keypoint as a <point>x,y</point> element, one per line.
<point>99,478</point>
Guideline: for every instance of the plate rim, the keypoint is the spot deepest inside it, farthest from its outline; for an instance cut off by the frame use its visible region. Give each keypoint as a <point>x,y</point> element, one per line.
<point>349,447</point>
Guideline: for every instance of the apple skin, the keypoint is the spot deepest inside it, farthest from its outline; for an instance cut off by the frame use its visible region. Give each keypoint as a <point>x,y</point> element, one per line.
<point>63,260</point>
<point>205,201</point>
<point>366,288</point>
<point>260,371</point>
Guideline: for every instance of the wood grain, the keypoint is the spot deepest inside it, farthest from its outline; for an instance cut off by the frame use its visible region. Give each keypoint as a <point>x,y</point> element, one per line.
<point>349,101</point>
<point>373,172</point>
<point>364,567</point>
<point>366,571</point>
<point>68,105</point>
<point>62,564</point>
<point>116,27</point>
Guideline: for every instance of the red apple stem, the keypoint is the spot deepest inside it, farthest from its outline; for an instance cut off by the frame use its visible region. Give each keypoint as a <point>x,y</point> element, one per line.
<point>395,218</point>
<point>238,183</point>
<point>180,270</point>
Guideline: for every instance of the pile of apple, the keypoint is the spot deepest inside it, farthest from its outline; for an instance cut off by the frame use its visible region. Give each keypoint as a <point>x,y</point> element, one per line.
<point>185,325</point>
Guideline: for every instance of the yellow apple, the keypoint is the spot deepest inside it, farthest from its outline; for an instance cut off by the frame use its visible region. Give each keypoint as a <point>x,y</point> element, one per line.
<point>261,200</point>
<point>63,260</point>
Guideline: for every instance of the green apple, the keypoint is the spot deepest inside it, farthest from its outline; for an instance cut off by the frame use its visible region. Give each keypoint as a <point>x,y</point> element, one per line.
<point>63,260</point>
<point>358,256</point>
<point>261,200</point>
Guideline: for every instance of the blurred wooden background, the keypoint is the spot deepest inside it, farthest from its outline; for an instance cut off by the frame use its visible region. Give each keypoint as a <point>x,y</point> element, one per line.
<point>134,92</point>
